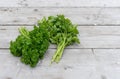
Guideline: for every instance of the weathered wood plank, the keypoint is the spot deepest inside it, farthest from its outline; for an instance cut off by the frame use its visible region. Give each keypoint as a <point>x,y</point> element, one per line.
<point>44,70</point>
<point>107,56</point>
<point>98,41</point>
<point>61,3</point>
<point>75,63</point>
<point>84,30</point>
<point>81,16</point>
<point>111,58</point>
<point>90,36</point>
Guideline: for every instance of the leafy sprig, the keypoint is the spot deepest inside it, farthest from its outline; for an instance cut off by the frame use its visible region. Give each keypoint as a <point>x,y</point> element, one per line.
<point>30,45</point>
<point>62,33</point>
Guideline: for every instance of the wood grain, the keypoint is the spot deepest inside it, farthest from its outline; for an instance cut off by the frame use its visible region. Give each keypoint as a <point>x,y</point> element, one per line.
<point>98,55</point>
<point>59,3</point>
<point>75,63</point>
<point>81,16</point>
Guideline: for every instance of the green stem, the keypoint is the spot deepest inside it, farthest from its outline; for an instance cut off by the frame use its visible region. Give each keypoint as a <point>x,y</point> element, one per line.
<point>56,53</point>
<point>59,51</point>
<point>60,54</point>
<point>24,32</point>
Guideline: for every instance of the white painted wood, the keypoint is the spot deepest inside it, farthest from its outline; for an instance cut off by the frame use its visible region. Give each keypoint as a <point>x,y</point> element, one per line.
<point>78,61</point>
<point>59,3</point>
<point>81,16</point>
<point>44,70</point>
<point>75,63</point>
<point>90,36</point>
<point>98,41</point>
<point>84,30</point>
<point>107,56</point>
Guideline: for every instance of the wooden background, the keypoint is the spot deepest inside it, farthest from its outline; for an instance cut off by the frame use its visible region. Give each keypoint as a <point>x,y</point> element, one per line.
<point>98,55</point>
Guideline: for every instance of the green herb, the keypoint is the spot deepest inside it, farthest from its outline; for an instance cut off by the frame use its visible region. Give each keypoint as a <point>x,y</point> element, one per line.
<point>62,33</point>
<point>30,45</point>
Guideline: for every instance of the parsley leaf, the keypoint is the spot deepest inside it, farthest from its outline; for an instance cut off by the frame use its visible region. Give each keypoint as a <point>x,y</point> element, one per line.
<point>62,33</point>
<point>30,45</point>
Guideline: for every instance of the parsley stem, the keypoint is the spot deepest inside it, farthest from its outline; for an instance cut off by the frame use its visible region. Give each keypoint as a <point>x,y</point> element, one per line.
<point>59,51</point>
<point>60,54</point>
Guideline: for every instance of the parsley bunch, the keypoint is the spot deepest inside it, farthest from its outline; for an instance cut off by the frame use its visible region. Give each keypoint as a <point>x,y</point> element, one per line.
<point>62,33</point>
<point>30,45</point>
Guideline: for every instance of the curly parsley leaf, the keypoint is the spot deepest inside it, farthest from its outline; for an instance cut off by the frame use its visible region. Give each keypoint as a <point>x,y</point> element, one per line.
<point>30,45</point>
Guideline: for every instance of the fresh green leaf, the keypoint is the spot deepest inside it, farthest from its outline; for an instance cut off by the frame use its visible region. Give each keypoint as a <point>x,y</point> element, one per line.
<point>62,33</point>
<point>30,45</point>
